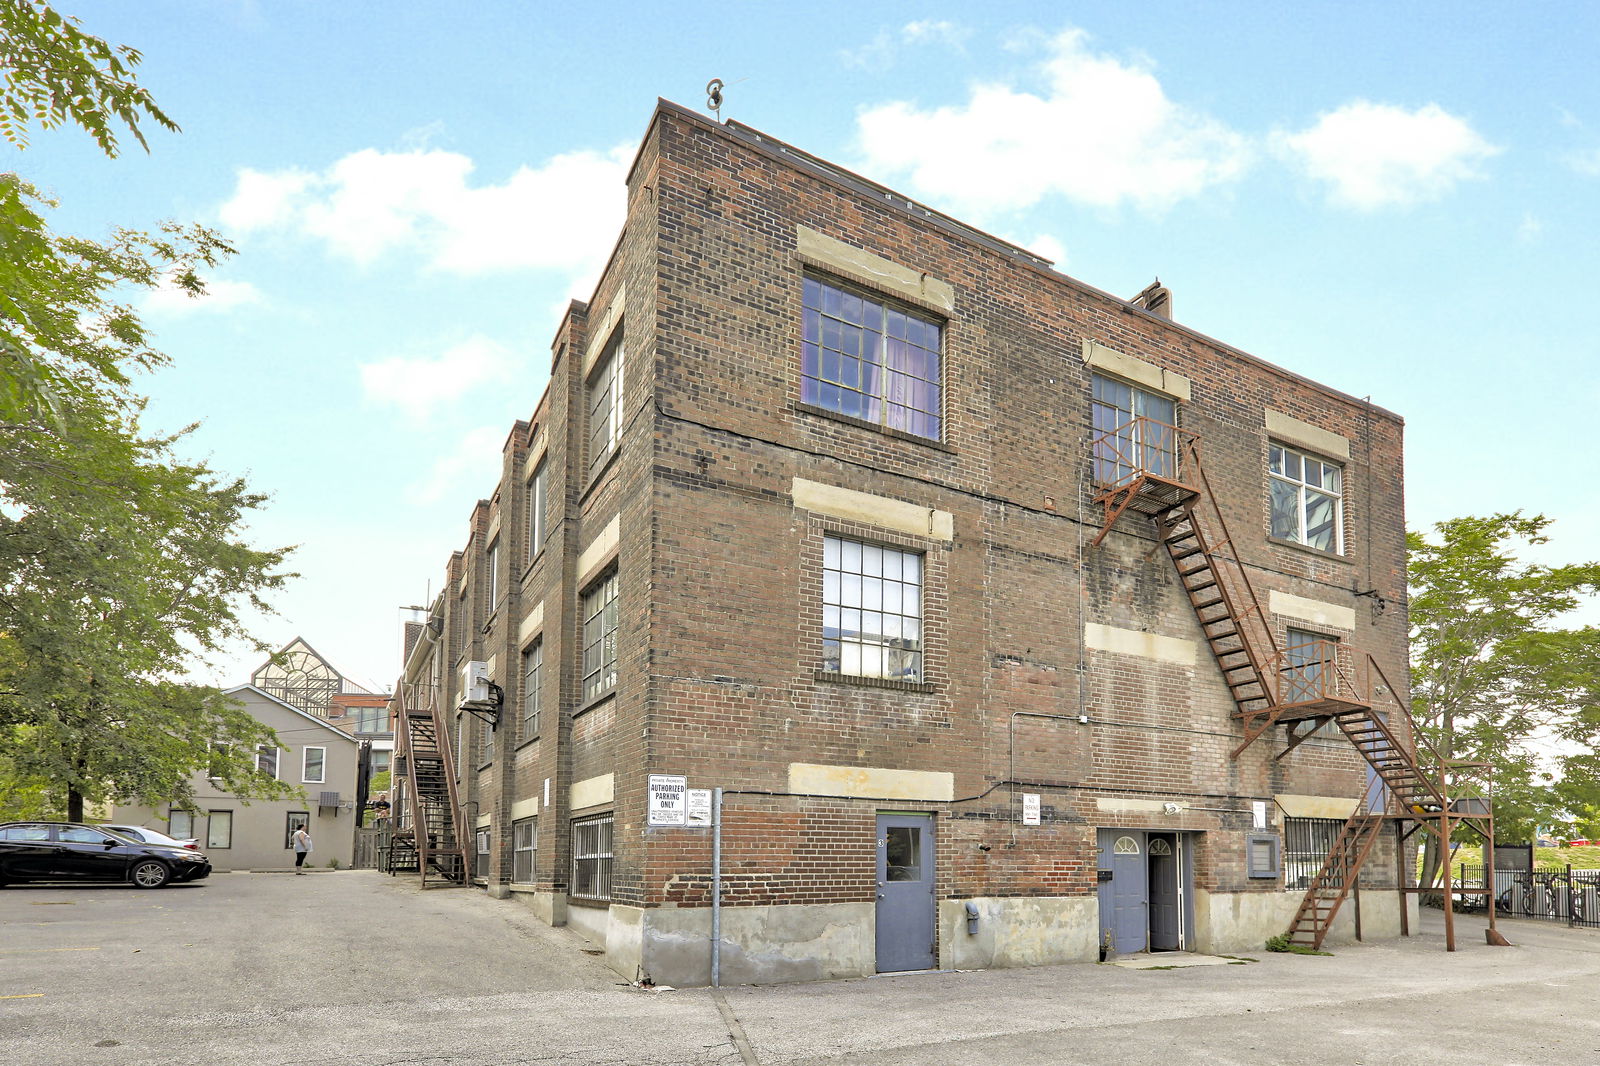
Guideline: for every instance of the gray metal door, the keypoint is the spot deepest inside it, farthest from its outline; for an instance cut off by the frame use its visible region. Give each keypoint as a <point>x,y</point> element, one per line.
<point>1165,932</point>
<point>1124,890</point>
<point>905,913</point>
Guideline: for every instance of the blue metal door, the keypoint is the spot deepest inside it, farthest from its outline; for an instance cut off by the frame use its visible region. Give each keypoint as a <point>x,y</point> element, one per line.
<point>905,912</point>
<point>1124,890</point>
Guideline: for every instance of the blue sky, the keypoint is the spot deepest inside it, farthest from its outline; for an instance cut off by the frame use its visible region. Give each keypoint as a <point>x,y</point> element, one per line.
<point>1398,200</point>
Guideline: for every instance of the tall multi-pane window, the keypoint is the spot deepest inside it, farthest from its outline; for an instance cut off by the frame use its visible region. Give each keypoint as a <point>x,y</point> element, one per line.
<point>492,561</point>
<point>1307,498</point>
<point>600,637</point>
<point>480,868</point>
<point>869,359</point>
<point>486,733</point>
<point>536,512</point>
<point>591,858</point>
<point>871,610</point>
<point>532,674</point>
<point>522,838</point>
<point>1133,430</point>
<point>605,403</point>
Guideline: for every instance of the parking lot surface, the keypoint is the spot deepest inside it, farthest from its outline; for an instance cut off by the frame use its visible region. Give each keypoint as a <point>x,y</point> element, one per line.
<point>353,967</point>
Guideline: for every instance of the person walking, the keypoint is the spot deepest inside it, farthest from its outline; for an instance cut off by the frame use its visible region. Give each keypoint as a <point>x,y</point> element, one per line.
<point>302,848</point>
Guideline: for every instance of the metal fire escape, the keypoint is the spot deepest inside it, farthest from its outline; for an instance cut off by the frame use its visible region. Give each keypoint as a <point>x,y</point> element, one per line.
<point>1154,469</point>
<point>423,743</point>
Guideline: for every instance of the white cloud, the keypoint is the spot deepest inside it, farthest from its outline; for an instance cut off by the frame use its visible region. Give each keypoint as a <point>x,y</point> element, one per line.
<point>1380,155</point>
<point>935,31</point>
<point>1586,163</point>
<point>562,216</point>
<point>1045,245</point>
<point>884,47</point>
<point>168,298</point>
<point>474,463</point>
<point>1530,229</point>
<point>1103,132</point>
<point>420,386</point>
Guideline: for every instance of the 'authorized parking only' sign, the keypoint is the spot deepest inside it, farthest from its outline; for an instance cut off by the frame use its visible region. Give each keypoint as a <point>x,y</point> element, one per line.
<point>667,799</point>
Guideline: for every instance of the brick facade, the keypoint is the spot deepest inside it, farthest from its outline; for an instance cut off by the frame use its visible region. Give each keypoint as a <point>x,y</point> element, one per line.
<point>719,636</point>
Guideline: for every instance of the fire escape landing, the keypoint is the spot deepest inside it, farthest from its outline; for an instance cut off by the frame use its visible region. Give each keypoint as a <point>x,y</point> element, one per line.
<point>1154,469</point>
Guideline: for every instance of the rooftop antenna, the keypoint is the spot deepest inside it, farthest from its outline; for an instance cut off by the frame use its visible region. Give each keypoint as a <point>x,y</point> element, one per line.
<point>714,96</point>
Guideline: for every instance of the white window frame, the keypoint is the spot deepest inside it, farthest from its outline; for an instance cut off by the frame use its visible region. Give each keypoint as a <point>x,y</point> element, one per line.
<point>601,607</point>
<point>1302,488</point>
<point>603,393</point>
<point>593,841</point>
<point>524,842</point>
<point>305,766</point>
<point>261,750</point>
<point>538,489</point>
<point>172,824</point>
<point>857,590</point>
<point>532,678</point>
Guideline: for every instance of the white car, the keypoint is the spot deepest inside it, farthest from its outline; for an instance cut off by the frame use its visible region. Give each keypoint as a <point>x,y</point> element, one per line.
<point>150,836</point>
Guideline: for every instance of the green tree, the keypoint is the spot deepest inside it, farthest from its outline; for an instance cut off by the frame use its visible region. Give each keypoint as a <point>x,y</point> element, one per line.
<point>119,561</point>
<point>1495,675</point>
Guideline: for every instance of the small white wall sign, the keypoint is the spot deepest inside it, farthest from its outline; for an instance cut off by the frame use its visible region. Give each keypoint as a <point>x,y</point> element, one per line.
<point>667,799</point>
<point>697,808</point>
<point>1030,808</point>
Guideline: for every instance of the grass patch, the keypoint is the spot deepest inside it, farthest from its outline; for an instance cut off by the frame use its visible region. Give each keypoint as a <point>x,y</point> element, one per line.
<point>1239,958</point>
<point>1280,943</point>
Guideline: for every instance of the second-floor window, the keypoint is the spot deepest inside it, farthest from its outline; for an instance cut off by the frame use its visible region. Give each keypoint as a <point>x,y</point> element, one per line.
<point>600,637</point>
<point>605,403</point>
<point>532,673</point>
<point>267,760</point>
<point>536,512</point>
<point>871,610</point>
<point>314,772</point>
<point>492,561</point>
<point>869,359</point>
<point>1133,431</point>
<point>1307,498</point>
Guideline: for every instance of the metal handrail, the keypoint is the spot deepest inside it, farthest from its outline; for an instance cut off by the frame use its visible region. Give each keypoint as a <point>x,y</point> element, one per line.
<point>1128,446</point>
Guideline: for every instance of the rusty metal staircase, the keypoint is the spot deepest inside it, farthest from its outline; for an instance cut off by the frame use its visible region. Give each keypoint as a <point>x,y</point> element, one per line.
<point>1303,687</point>
<point>432,797</point>
<point>1334,881</point>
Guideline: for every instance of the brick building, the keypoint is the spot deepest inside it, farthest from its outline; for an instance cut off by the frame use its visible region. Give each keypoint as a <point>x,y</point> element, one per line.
<point>915,548</point>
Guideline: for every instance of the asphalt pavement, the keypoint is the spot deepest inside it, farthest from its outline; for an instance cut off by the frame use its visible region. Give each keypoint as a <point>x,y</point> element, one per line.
<point>353,967</point>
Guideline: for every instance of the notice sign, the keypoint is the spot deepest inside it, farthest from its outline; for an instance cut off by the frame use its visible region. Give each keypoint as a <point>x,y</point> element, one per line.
<point>1030,808</point>
<point>698,808</point>
<point>667,799</point>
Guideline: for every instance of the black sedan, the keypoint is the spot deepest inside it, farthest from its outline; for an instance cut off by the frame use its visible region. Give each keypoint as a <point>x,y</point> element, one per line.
<point>66,851</point>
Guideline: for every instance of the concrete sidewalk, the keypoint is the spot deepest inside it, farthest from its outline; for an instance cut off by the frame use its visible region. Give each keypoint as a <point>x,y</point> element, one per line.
<point>359,968</point>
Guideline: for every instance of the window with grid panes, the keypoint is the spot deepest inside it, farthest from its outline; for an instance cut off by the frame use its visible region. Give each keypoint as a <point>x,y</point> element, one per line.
<point>532,673</point>
<point>870,359</point>
<point>591,858</point>
<point>871,610</point>
<point>1307,498</point>
<point>600,637</point>
<point>605,403</point>
<point>492,561</point>
<point>522,841</point>
<point>536,512</point>
<point>1133,430</point>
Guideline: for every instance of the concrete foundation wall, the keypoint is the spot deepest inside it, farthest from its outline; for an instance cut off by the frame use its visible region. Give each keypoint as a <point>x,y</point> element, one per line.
<point>1242,921</point>
<point>1018,932</point>
<point>760,945</point>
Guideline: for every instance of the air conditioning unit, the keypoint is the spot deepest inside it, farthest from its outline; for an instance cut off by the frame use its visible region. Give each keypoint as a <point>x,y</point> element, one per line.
<point>475,682</point>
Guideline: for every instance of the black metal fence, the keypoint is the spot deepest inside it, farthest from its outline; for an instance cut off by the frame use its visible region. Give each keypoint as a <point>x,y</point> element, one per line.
<point>1559,894</point>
